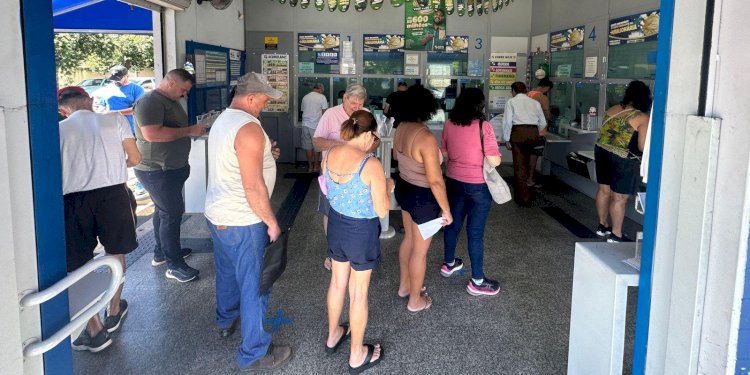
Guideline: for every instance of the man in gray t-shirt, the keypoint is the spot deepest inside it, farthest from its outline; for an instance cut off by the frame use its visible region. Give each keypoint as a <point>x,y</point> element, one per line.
<point>163,138</point>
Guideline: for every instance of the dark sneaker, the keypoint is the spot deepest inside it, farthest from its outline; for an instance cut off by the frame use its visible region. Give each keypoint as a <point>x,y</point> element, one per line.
<point>92,344</point>
<point>447,270</point>
<point>603,231</point>
<point>615,239</point>
<point>487,288</point>
<point>182,273</point>
<point>158,261</point>
<point>112,322</point>
<point>229,331</point>
<point>276,357</point>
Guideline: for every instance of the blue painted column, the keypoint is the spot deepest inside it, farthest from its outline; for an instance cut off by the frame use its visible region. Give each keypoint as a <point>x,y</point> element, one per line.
<point>664,49</point>
<point>39,56</point>
<point>743,343</point>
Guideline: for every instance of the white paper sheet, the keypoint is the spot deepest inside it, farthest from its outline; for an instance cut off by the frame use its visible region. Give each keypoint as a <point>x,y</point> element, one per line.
<point>431,227</point>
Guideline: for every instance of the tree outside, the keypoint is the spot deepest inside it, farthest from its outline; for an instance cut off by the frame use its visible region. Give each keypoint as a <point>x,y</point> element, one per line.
<point>99,52</point>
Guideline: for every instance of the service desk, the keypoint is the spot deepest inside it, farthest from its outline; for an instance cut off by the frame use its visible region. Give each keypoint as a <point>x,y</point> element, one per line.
<point>597,313</point>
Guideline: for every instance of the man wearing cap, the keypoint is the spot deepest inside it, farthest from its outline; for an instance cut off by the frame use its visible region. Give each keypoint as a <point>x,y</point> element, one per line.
<point>241,178</point>
<point>328,135</point>
<point>312,107</point>
<point>119,96</point>
<point>163,138</point>
<point>95,151</point>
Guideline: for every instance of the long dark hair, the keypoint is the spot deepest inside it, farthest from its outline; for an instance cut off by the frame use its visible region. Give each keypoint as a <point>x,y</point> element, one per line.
<point>638,95</point>
<point>421,106</point>
<point>469,106</point>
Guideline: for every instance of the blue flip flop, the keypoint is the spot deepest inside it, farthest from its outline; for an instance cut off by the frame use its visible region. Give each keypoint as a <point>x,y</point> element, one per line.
<point>367,364</point>
<point>347,333</point>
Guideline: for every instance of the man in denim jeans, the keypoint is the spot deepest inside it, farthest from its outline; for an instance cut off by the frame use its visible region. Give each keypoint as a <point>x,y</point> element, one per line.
<point>163,138</point>
<point>241,178</point>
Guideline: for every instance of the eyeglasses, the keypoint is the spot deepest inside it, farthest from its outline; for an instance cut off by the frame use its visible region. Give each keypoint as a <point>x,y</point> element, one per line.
<point>377,139</point>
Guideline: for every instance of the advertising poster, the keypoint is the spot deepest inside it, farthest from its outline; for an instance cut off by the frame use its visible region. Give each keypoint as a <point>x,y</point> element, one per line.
<point>637,28</point>
<point>424,25</point>
<point>566,40</point>
<point>503,69</point>
<point>457,44</point>
<point>383,43</point>
<point>325,46</point>
<point>275,66</point>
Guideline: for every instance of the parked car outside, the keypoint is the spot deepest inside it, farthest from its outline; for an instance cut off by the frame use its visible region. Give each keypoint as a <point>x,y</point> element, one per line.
<point>148,83</point>
<point>93,84</point>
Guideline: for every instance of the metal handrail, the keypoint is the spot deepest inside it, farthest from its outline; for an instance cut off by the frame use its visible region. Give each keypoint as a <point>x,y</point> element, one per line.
<point>37,347</point>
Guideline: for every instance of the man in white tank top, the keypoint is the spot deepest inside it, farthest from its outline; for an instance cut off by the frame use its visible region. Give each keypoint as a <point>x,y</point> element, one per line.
<point>241,177</point>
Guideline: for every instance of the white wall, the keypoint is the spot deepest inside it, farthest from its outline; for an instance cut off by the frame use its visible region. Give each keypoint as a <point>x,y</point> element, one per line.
<point>205,24</point>
<point>18,246</point>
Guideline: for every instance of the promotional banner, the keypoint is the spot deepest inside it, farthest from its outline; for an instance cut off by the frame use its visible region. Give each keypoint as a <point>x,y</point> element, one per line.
<point>457,44</point>
<point>503,69</point>
<point>637,28</point>
<point>425,25</point>
<point>565,40</point>
<point>383,42</point>
<point>275,66</point>
<point>326,46</point>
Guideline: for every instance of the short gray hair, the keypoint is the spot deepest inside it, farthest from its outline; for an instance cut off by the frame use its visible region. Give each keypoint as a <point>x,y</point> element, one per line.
<point>319,85</point>
<point>356,90</point>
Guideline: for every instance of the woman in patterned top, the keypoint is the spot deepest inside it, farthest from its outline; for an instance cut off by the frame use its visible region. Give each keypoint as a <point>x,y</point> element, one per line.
<point>618,150</point>
<point>359,194</point>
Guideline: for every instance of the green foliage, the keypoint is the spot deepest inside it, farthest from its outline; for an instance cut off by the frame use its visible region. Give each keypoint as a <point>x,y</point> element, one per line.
<point>99,52</point>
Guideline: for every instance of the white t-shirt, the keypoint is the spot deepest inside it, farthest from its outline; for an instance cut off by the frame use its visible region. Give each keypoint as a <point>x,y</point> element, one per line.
<point>91,150</point>
<point>312,108</point>
<point>226,203</point>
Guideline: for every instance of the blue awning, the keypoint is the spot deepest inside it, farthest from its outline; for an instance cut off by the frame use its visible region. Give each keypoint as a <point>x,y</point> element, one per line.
<point>100,16</point>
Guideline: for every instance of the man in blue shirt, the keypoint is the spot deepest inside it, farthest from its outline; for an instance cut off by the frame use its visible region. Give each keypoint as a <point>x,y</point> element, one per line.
<point>119,96</point>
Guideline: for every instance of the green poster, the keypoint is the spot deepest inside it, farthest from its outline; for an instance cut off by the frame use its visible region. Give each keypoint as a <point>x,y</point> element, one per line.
<point>343,5</point>
<point>376,4</point>
<point>461,7</point>
<point>424,25</point>
<point>319,5</point>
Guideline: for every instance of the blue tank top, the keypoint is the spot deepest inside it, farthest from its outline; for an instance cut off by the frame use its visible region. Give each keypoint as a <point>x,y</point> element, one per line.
<point>351,198</point>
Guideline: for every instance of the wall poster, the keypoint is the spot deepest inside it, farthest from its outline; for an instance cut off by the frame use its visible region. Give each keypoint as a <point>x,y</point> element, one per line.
<point>638,28</point>
<point>503,68</point>
<point>424,25</point>
<point>325,46</point>
<point>565,40</point>
<point>275,66</point>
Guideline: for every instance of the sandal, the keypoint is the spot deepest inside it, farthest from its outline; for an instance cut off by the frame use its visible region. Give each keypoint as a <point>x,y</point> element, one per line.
<point>344,336</point>
<point>422,292</point>
<point>426,306</point>
<point>367,364</point>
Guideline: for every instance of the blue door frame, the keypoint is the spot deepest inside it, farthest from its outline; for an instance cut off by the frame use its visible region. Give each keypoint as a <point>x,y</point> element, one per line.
<point>39,60</point>
<point>664,48</point>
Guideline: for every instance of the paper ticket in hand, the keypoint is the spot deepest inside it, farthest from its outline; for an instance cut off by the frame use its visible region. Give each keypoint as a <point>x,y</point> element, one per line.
<point>431,227</point>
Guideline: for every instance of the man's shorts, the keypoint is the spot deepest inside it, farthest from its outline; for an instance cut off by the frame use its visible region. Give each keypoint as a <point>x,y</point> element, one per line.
<point>622,175</point>
<point>307,135</point>
<point>354,240</point>
<point>106,214</point>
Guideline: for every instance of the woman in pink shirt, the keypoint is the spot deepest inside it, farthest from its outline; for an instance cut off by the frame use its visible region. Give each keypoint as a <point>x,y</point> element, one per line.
<point>468,194</point>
